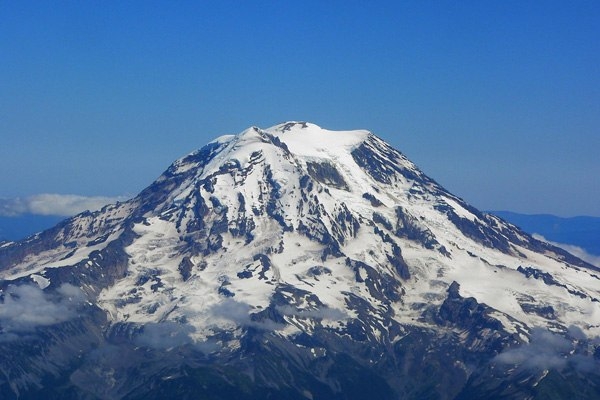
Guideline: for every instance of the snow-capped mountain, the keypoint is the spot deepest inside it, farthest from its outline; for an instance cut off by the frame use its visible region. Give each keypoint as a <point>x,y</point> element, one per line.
<point>294,262</point>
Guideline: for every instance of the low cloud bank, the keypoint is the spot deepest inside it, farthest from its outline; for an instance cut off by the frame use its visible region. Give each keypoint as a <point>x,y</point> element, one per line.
<point>332,314</point>
<point>64,205</point>
<point>240,314</point>
<point>575,250</point>
<point>227,314</point>
<point>547,350</point>
<point>27,307</point>
<point>165,335</point>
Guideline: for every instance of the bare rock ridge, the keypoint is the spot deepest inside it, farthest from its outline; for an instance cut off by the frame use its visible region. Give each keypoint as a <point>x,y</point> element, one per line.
<point>300,263</point>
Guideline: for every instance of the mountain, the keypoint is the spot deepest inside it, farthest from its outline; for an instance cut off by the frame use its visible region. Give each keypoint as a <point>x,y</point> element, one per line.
<point>581,231</point>
<point>295,263</point>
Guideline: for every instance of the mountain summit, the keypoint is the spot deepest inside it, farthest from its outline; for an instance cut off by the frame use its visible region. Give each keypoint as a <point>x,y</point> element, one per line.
<point>294,262</point>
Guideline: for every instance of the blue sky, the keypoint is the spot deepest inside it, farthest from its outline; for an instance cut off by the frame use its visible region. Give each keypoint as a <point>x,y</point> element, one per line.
<point>497,101</point>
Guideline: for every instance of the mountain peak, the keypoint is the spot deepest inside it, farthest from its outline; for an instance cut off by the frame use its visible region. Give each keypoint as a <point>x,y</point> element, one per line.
<point>310,140</point>
<point>292,125</point>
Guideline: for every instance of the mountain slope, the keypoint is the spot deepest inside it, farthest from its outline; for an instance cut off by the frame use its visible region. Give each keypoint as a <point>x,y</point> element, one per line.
<point>290,262</point>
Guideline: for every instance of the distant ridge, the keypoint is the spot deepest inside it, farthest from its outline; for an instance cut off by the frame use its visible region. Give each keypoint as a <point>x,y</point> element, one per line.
<point>580,231</point>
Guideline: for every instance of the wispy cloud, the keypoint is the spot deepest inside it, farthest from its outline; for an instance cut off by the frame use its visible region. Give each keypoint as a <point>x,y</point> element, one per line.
<point>64,205</point>
<point>239,314</point>
<point>575,250</point>
<point>548,350</point>
<point>226,315</point>
<point>27,307</point>
<point>545,350</point>
<point>332,314</point>
<point>169,334</point>
<point>165,335</point>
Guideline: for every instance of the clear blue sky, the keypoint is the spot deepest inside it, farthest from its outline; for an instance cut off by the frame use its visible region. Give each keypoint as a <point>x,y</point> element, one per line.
<point>499,101</point>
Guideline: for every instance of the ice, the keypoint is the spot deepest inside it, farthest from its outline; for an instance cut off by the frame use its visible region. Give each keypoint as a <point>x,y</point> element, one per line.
<point>40,280</point>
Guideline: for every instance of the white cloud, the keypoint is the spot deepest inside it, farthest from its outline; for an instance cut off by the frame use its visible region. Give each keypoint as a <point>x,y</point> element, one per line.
<point>547,350</point>
<point>575,250</point>
<point>64,205</point>
<point>27,307</point>
<point>165,335</point>
<point>229,310</point>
